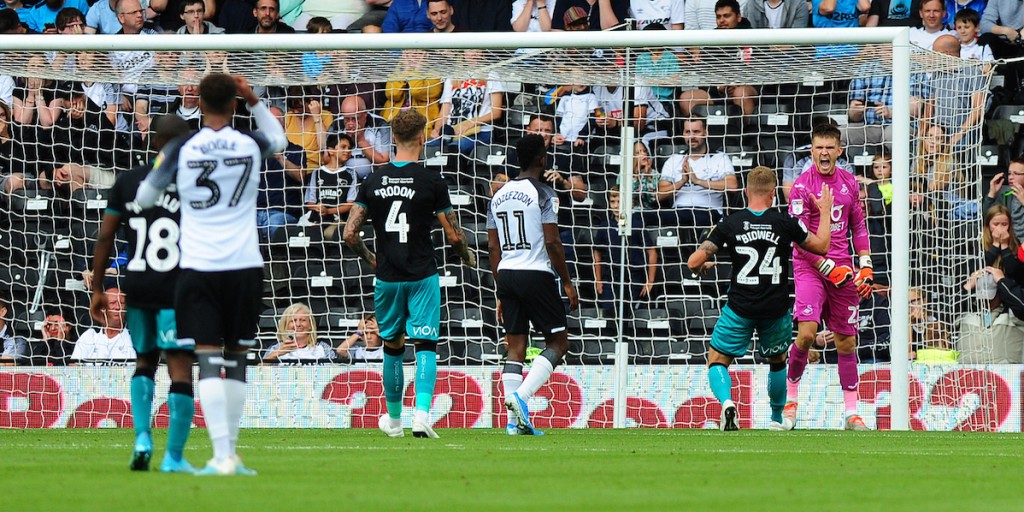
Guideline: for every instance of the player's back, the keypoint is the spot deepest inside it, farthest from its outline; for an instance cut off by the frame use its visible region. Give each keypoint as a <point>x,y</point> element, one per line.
<point>761,247</point>
<point>847,213</point>
<point>518,212</point>
<point>402,201</point>
<point>218,179</point>
<point>152,236</point>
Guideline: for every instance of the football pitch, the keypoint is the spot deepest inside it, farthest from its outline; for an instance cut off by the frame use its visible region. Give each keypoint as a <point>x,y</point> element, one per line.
<point>306,470</point>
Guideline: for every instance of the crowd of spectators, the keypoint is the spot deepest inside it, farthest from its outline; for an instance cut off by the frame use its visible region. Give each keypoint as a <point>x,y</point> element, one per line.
<point>66,138</point>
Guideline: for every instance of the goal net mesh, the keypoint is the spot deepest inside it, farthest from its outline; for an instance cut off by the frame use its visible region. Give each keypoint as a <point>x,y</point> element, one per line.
<point>79,119</point>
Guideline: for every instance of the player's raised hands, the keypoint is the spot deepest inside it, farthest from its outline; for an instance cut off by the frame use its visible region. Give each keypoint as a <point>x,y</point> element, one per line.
<point>825,200</point>
<point>244,90</point>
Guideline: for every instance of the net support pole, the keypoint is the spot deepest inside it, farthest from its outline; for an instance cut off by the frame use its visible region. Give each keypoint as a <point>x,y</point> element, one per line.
<point>899,294</point>
<point>625,225</point>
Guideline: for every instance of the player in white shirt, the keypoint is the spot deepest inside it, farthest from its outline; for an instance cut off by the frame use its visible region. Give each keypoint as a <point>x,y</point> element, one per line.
<point>670,13</point>
<point>526,253</point>
<point>219,291</point>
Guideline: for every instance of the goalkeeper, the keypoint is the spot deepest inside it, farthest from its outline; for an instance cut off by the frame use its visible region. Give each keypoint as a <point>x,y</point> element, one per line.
<point>824,290</point>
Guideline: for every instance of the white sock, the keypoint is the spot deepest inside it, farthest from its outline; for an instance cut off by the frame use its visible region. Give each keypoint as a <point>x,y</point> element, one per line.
<point>511,382</point>
<point>539,373</point>
<point>212,398</point>
<point>421,416</point>
<point>234,392</point>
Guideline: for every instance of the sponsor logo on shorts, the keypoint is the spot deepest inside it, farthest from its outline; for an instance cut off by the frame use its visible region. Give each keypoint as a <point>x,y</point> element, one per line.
<point>423,331</point>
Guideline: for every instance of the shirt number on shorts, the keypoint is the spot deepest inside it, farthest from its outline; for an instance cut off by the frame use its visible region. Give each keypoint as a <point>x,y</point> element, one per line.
<point>769,266</point>
<point>156,248</point>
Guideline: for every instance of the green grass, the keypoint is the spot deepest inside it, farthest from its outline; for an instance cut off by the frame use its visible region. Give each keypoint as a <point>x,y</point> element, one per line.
<point>591,470</point>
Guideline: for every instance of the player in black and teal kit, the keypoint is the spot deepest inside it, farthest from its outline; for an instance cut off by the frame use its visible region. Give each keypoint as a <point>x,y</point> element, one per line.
<point>148,285</point>
<point>759,240</point>
<point>402,199</point>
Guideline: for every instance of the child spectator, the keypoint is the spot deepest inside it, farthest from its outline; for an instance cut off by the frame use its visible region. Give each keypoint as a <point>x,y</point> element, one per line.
<point>332,187</point>
<point>365,344</point>
<point>879,218</point>
<point>638,271</point>
<point>574,112</point>
<point>966,22</point>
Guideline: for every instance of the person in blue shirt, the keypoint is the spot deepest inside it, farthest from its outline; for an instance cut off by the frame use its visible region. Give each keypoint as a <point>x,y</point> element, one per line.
<point>407,16</point>
<point>46,13</point>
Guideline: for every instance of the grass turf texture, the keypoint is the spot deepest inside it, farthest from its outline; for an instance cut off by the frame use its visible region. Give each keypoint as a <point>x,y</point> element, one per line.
<point>305,470</point>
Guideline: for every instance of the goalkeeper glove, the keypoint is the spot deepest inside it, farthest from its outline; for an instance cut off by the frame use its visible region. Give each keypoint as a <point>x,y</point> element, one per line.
<point>839,275</point>
<point>865,278</point>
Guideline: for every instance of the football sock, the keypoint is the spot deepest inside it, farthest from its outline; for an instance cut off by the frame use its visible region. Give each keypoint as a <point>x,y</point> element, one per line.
<point>848,380</point>
<point>142,388</point>
<point>797,364</point>
<point>181,405</point>
<point>394,379</point>
<point>540,371</point>
<point>213,399</point>
<point>777,390</point>
<point>426,379</point>
<point>721,382</point>
<point>511,377</point>
<point>234,394</point>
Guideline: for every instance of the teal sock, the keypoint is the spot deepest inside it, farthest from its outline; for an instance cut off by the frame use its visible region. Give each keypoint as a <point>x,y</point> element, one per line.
<point>142,403</point>
<point>426,378</point>
<point>777,392</point>
<point>182,408</point>
<point>721,382</point>
<point>394,381</point>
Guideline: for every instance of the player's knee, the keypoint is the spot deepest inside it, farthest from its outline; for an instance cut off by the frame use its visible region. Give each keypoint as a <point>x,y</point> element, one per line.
<point>394,351</point>
<point>181,388</point>
<point>234,365</point>
<point>425,345</point>
<point>145,371</point>
<point>776,366</point>
<point>210,363</point>
<point>553,356</point>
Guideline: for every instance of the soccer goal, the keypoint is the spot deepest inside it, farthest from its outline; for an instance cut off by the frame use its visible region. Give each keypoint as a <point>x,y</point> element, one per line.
<point>625,112</point>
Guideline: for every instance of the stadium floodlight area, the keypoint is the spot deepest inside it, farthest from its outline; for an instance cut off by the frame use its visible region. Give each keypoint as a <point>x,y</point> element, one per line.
<point>638,352</point>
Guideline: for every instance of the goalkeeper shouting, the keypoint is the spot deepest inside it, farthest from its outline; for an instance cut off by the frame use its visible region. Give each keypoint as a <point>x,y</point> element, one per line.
<point>824,290</point>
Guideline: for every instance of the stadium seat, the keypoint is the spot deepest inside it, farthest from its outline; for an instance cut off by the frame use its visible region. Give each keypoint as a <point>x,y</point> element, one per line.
<point>650,326</point>
<point>1012,113</point>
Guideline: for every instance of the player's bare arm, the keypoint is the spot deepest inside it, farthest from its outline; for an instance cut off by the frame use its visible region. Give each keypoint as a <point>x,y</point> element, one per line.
<point>819,242</point>
<point>556,252</point>
<point>100,259</point>
<point>457,237</point>
<point>698,261</point>
<point>356,219</point>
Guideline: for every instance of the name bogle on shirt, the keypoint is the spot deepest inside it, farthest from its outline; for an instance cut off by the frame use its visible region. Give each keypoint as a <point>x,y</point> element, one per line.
<point>394,187</point>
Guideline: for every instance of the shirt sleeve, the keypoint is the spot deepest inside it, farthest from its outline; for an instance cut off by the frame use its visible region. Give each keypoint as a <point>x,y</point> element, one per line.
<point>442,199</point>
<point>678,11</point>
<point>312,187</point>
<point>719,235</point>
<point>796,231</point>
<point>115,200</point>
<point>362,193</point>
<point>547,202</point>
<point>446,95</point>
<point>162,175</point>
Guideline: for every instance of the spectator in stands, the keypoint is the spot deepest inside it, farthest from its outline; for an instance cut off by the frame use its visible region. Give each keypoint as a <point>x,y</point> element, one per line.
<point>1002,25</point>
<point>422,95</point>
<point>440,12</point>
<point>102,18</point>
<point>658,65</point>
<point>696,182</point>
<point>279,201</point>
<point>532,15</point>
<point>934,161</point>
<point>873,329</point>
<point>186,106</point>
<point>957,100</point>
<point>314,63</point>
<point>193,18</point>
<point>268,18</point>
<point>777,13</point>
<point>44,15</point>
<point>70,21</point>
<point>237,17</point>
<point>306,123</point>
<point>369,132</point>
<point>1010,195</point>
<point>598,14</point>
<point>169,19</point>
<point>640,269</point>
<point>15,348</point>
<point>350,15</point>
<point>332,188</point>
<point>650,116</point>
<point>297,339</point>
<point>56,341</point>
<point>111,340</point>
<point>407,16</point>
<point>468,110</point>
<point>132,63</point>
<point>482,15</point>
<point>18,7</point>
<point>11,24</point>
<point>13,156</point>
<point>870,111</point>
<point>967,21</point>
<point>575,111</point>
<point>727,17</point>
<point>669,13</point>
<point>499,180</point>
<point>152,100</point>
<point>925,329</point>
<point>365,344</point>
<point>646,181</point>
<point>877,211</point>
<point>35,99</point>
<point>837,14</point>
<point>894,13</point>
<point>933,15</point>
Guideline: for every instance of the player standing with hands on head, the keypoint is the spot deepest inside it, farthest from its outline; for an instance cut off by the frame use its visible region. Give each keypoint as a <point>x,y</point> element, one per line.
<point>149,292</point>
<point>823,287</point>
<point>402,199</point>
<point>526,253</point>
<point>760,241</point>
<point>220,287</point>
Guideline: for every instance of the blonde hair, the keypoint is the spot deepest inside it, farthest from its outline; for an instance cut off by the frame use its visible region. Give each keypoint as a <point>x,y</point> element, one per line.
<point>940,165</point>
<point>761,181</point>
<point>283,327</point>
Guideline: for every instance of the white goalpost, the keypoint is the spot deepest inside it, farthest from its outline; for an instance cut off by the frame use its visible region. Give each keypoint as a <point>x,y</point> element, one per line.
<point>637,349</point>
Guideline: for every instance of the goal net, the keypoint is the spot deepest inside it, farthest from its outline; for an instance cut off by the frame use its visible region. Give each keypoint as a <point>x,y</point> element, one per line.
<point>623,120</point>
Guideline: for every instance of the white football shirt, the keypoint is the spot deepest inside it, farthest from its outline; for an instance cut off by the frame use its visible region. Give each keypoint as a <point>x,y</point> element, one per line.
<point>518,212</point>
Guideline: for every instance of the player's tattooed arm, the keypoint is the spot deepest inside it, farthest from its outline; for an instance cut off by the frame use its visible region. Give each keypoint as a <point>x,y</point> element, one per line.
<point>457,237</point>
<point>698,261</point>
<point>356,219</point>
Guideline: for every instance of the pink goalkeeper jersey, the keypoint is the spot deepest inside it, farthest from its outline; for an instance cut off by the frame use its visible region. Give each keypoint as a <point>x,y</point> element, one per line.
<point>847,215</point>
